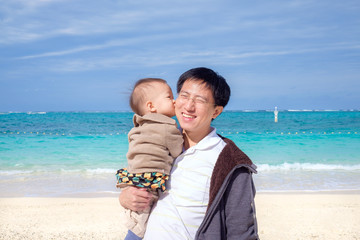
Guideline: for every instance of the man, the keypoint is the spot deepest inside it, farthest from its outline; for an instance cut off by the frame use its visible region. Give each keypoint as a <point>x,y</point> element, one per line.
<point>211,191</point>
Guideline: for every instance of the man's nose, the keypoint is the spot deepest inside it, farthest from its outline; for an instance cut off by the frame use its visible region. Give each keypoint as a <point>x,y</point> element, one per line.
<point>190,104</point>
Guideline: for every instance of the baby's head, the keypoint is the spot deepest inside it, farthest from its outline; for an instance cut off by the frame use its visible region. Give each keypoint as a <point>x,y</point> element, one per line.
<point>152,95</point>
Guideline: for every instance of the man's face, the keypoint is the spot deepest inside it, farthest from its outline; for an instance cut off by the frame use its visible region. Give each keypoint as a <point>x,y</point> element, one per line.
<point>195,108</point>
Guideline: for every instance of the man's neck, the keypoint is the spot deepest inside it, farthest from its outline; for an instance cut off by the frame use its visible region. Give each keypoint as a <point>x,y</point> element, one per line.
<point>192,138</point>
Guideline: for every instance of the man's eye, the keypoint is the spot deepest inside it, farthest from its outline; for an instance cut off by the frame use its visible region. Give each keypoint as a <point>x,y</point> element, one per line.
<point>200,101</point>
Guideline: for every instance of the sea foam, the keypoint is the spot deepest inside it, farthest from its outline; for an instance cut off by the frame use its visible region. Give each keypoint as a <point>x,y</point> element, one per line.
<point>306,166</point>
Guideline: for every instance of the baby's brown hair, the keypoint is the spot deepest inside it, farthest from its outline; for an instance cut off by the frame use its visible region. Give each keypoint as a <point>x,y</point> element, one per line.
<point>140,92</point>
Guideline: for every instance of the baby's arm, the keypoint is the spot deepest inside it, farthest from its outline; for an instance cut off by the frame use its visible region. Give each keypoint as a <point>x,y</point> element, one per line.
<point>174,141</point>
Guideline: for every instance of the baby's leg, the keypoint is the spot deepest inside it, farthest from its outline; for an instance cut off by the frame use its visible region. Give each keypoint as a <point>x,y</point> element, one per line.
<point>138,220</point>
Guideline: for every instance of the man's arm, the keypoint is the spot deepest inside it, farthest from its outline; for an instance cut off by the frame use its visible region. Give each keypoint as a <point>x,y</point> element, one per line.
<point>240,207</point>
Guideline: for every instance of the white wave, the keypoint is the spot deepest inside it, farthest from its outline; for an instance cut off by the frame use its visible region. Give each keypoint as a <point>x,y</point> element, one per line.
<point>284,167</point>
<point>306,166</point>
<point>14,112</point>
<point>14,172</point>
<point>47,171</point>
<point>101,170</point>
<point>326,110</point>
<point>89,171</point>
<point>30,112</point>
<point>250,110</point>
<point>299,110</point>
<point>320,190</point>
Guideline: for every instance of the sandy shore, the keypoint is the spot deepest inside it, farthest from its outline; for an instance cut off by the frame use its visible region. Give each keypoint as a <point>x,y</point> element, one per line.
<point>280,216</point>
<point>308,216</point>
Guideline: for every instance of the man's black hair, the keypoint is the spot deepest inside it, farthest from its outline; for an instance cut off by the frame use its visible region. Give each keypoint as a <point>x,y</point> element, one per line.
<point>214,81</point>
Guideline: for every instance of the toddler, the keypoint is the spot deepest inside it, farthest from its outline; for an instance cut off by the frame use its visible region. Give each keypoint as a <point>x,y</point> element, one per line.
<point>154,142</point>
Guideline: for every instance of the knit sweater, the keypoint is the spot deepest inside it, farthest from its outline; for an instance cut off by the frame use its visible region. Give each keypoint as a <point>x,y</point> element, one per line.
<point>154,142</point>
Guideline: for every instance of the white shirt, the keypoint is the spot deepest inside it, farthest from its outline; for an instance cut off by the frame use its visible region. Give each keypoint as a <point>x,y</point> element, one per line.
<point>180,210</point>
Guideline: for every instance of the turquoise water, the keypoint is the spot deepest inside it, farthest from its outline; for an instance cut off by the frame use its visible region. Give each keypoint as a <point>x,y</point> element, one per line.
<point>77,153</point>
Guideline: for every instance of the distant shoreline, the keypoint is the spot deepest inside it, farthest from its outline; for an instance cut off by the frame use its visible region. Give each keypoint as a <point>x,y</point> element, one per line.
<point>115,194</point>
<point>243,110</point>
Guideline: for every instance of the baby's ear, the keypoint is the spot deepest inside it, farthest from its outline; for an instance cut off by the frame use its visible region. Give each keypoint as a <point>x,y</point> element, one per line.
<point>150,107</point>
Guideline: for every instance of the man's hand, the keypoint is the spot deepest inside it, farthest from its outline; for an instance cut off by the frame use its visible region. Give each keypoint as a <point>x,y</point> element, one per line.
<point>135,199</point>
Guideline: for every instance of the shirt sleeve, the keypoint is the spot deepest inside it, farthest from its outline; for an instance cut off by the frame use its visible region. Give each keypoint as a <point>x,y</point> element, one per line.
<point>240,212</point>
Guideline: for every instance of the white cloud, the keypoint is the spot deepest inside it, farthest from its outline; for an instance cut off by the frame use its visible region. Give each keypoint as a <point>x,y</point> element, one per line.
<point>159,58</point>
<point>37,20</point>
<point>73,50</point>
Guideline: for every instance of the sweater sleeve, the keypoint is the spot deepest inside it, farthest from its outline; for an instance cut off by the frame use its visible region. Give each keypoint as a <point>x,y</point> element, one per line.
<point>240,213</point>
<point>174,141</point>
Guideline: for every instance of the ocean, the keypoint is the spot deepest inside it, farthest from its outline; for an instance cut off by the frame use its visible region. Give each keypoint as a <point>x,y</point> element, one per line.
<point>66,154</point>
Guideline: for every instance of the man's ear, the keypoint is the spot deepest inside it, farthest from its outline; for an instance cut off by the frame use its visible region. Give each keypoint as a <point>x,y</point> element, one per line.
<point>218,111</point>
<point>150,107</point>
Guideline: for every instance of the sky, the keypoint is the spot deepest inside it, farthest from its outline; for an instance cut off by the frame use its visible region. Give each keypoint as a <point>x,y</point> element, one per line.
<point>81,55</point>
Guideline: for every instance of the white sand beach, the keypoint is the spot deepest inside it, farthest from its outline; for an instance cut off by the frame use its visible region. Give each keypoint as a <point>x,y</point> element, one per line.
<point>324,216</point>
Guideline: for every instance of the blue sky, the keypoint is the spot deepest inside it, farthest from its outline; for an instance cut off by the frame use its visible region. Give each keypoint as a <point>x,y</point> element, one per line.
<point>80,55</point>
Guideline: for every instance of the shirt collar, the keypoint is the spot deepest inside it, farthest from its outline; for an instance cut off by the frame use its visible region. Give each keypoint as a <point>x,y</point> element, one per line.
<point>207,142</point>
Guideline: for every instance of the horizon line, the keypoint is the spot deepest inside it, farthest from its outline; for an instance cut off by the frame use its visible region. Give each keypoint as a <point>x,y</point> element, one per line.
<point>228,110</point>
